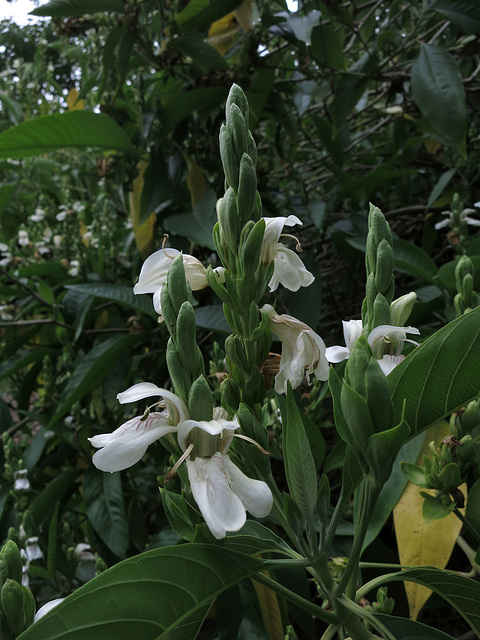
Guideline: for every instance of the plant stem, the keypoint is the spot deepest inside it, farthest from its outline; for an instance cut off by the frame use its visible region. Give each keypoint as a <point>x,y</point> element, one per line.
<point>467,525</point>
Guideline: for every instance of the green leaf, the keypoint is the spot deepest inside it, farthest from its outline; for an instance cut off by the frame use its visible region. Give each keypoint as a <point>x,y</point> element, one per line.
<point>439,376</point>
<point>105,507</point>
<point>197,226</point>
<point>326,48</point>
<point>440,186</point>
<point>202,54</point>
<point>459,591</point>
<point>404,629</point>
<point>120,293</point>
<point>211,317</point>
<point>438,90</point>
<point>57,489</point>
<point>183,104</point>
<point>160,594</point>
<point>299,464</point>
<point>199,14</point>
<point>22,358</point>
<point>92,370</point>
<point>464,13</point>
<point>78,129</point>
<point>413,260</point>
<point>76,8</point>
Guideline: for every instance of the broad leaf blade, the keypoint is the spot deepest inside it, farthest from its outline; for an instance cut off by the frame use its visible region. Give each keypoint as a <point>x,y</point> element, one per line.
<point>438,90</point>
<point>120,293</point>
<point>78,129</point>
<point>76,8</point>
<point>160,594</point>
<point>440,375</point>
<point>199,14</point>
<point>464,13</point>
<point>404,629</point>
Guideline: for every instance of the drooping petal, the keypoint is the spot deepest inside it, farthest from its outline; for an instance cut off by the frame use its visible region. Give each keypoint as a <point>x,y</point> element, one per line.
<point>212,428</point>
<point>388,363</point>
<point>273,230</point>
<point>336,354</point>
<point>255,495</point>
<point>127,445</point>
<point>147,390</point>
<point>289,270</point>
<point>222,509</point>
<point>352,330</point>
<point>157,301</point>
<point>154,271</point>
<point>442,223</point>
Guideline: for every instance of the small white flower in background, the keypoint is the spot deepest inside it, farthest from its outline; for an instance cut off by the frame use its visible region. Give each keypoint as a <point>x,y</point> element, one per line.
<point>78,207</point>
<point>303,351</point>
<point>3,247</point>
<point>464,218</point>
<point>22,482</point>
<point>38,216</point>
<point>289,270</point>
<point>127,445</point>
<point>41,248</point>
<point>223,493</point>
<point>32,549</point>
<point>154,271</point>
<point>63,212</point>
<point>351,331</point>
<point>23,238</point>
<point>46,608</point>
<point>83,553</point>
<point>25,567</point>
<point>74,268</point>
<point>58,241</point>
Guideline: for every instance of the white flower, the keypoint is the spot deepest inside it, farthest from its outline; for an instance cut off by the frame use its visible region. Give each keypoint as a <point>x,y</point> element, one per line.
<point>74,268</point>
<point>464,218</point>
<point>83,553</point>
<point>154,271</point>
<point>385,337</point>
<point>38,216</point>
<point>46,608</point>
<point>63,209</point>
<point>22,482</point>
<point>127,444</point>
<point>32,549</point>
<point>289,270</point>
<point>23,238</point>
<point>303,351</point>
<point>222,492</point>
<point>351,331</point>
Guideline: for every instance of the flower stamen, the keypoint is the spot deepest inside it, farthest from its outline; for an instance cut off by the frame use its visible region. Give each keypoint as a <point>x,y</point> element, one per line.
<point>183,457</point>
<point>252,441</point>
<point>298,246</point>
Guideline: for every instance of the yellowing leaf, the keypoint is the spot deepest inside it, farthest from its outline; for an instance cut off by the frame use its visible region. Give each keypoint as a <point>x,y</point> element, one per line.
<point>144,233</point>
<point>101,320</point>
<point>243,15</point>
<point>221,33</point>
<point>271,614</point>
<point>83,231</point>
<point>421,544</point>
<point>72,103</point>
<point>195,180</point>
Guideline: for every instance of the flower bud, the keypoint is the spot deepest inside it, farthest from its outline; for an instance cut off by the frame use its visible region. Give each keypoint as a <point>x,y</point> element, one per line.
<point>235,352</point>
<point>471,416</point>
<point>14,562</point>
<point>238,128</point>
<point>251,249</point>
<point>186,341</point>
<point>200,400</point>
<point>228,219</point>
<point>450,477</point>
<point>237,97</point>
<point>29,606</point>
<point>247,188</point>
<point>229,160</point>
<point>384,266</point>
<point>179,375</point>
<point>13,606</point>
<point>401,308</point>
<point>381,311</point>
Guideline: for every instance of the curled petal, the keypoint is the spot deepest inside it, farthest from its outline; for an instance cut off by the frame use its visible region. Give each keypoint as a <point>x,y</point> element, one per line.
<point>213,428</point>
<point>387,333</point>
<point>154,271</point>
<point>46,608</point>
<point>336,354</point>
<point>255,495</point>
<point>388,363</point>
<point>147,390</point>
<point>127,445</point>
<point>351,331</point>
<point>273,231</point>
<point>289,270</point>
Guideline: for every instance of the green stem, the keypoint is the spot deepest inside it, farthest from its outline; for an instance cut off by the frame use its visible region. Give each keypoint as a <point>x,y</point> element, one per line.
<point>337,514</point>
<point>475,534</point>
<point>359,611</point>
<point>326,616</point>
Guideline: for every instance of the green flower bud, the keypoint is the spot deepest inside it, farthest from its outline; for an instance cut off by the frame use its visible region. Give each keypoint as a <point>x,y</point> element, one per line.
<point>229,221</point>
<point>229,160</point>
<point>235,352</point>
<point>231,395</point>
<point>237,97</point>
<point>3,570</point>
<point>463,268</point>
<point>401,308</point>
<point>384,266</point>
<point>186,341</point>
<point>251,250</point>
<point>252,149</point>
<point>13,606</point>
<point>378,396</point>
<point>200,400</point>
<point>379,226</point>
<point>381,311</point>
<point>471,416</point>
<point>181,378</point>
<point>177,284</point>
<point>357,415</point>
<point>450,477</point>
<point>357,364</point>
<point>238,128</point>
<point>247,188</point>
<point>465,451</point>
<point>29,606</point>
<point>11,554</point>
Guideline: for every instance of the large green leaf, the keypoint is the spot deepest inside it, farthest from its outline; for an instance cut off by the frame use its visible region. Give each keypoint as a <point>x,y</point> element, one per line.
<point>76,8</point>
<point>464,13</point>
<point>70,129</point>
<point>413,260</point>
<point>22,358</point>
<point>438,90</point>
<point>404,629</point>
<point>106,508</point>
<point>197,226</point>
<point>160,594</point>
<point>57,489</point>
<point>92,370</point>
<point>121,293</point>
<point>461,592</point>
<point>440,375</point>
<point>199,14</point>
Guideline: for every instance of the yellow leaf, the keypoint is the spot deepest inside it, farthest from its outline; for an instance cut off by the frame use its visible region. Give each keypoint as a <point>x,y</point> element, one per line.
<point>243,15</point>
<point>72,103</point>
<point>83,231</point>
<point>421,544</point>
<point>101,320</point>
<point>221,33</point>
<point>271,614</point>
<point>144,233</point>
<point>195,180</point>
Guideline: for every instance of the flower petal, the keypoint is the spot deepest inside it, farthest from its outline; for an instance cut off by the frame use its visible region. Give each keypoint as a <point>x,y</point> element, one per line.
<point>213,428</point>
<point>336,354</point>
<point>273,230</point>
<point>127,445</point>
<point>154,271</point>
<point>148,389</point>
<point>222,509</point>
<point>46,608</point>
<point>388,363</point>
<point>255,495</point>
<point>289,270</point>
<point>352,330</point>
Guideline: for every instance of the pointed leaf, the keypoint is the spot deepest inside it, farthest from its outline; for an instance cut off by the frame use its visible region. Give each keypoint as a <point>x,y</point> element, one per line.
<point>438,90</point>
<point>120,293</point>
<point>160,594</point>
<point>76,8</point>
<point>464,13</point>
<point>78,129</point>
<point>439,376</point>
<point>199,14</point>
<point>404,629</point>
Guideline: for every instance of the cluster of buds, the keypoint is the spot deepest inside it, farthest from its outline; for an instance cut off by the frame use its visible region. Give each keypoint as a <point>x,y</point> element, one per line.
<point>466,298</point>
<point>17,605</point>
<point>458,220</point>
<point>444,472</point>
